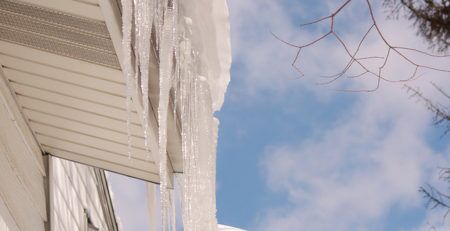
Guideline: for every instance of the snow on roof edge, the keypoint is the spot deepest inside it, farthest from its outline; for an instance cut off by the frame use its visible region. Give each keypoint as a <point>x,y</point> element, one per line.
<point>228,228</point>
<point>222,23</point>
<point>211,38</point>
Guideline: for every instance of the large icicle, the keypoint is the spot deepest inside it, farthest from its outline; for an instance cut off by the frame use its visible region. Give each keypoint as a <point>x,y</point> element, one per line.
<point>198,136</point>
<point>165,75</point>
<point>190,76</point>
<point>143,22</point>
<point>128,72</point>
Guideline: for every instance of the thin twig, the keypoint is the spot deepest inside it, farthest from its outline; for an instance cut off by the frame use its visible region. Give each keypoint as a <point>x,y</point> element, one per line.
<point>353,59</point>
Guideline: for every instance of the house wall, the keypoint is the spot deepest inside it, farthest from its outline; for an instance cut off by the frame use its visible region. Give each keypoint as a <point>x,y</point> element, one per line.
<point>73,188</point>
<point>22,194</point>
<point>23,204</point>
<point>3,226</point>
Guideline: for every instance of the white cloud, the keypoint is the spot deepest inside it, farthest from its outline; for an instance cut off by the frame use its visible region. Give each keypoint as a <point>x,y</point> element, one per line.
<point>376,157</point>
<point>353,174</point>
<point>264,63</point>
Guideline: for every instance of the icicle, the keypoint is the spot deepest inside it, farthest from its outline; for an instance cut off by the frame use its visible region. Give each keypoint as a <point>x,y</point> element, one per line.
<point>180,70</point>
<point>186,113</point>
<point>165,73</point>
<point>176,75</point>
<point>198,137</point>
<point>144,20</point>
<point>127,67</point>
<point>161,7</point>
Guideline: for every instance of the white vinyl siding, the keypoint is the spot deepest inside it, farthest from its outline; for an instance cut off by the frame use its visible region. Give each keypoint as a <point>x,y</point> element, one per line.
<point>21,176</point>
<point>3,226</point>
<point>74,189</point>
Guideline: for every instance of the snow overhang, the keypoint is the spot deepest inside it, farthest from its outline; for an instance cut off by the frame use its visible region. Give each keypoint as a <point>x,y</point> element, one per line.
<point>228,228</point>
<point>211,38</point>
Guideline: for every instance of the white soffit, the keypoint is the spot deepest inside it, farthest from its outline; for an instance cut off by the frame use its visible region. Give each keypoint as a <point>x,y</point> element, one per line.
<point>61,65</point>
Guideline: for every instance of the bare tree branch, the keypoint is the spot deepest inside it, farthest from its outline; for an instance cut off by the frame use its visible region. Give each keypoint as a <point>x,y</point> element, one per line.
<point>435,197</point>
<point>353,56</point>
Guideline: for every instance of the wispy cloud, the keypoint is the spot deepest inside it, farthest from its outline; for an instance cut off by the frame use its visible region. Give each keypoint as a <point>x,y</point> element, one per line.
<point>374,158</point>
<point>352,175</point>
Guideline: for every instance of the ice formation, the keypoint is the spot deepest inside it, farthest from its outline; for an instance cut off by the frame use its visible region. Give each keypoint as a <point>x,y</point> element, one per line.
<point>193,56</point>
<point>127,68</point>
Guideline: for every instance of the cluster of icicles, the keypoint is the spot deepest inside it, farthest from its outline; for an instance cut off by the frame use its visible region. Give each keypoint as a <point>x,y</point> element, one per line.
<point>157,26</point>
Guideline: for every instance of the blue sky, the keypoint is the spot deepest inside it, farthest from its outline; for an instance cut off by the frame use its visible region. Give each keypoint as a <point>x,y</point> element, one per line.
<point>293,155</point>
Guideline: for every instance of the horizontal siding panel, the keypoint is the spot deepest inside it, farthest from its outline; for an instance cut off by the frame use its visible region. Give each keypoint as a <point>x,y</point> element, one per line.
<point>84,128</point>
<point>57,61</point>
<point>78,115</point>
<point>116,150</point>
<point>61,145</point>
<point>84,105</point>
<point>105,84</point>
<point>66,89</point>
<point>41,68</point>
<point>150,174</point>
<point>90,2</point>
<point>71,7</point>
